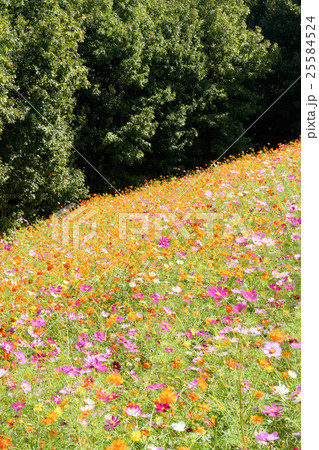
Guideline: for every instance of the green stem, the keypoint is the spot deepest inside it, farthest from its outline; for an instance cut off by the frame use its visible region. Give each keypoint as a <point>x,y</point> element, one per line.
<point>241,412</point>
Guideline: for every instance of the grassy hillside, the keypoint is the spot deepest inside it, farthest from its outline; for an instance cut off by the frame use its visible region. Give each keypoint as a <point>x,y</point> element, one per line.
<point>164,318</point>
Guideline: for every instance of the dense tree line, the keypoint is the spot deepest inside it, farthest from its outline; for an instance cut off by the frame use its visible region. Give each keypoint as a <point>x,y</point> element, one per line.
<point>141,88</point>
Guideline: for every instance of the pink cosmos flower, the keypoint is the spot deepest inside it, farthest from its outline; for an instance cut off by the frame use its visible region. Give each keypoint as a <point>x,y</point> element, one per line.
<point>272,411</point>
<point>138,295</point>
<point>156,298</point>
<point>217,293</point>
<point>295,236</point>
<point>20,357</point>
<point>260,311</point>
<point>263,437</point>
<point>269,242</point>
<point>164,327</point>
<point>170,350</point>
<point>26,386</point>
<point>257,240</point>
<point>133,410</point>
<point>239,308</point>
<point>250,296</point>
<point>295,344</point>
<point>168,310</point>
<point>99,336</point>
<point>57,399</point>
<point>280,188</point>
<point>119,318</point>
<point>245,386</point>
<point>71,371</point>
<point>272,349</point>
<point>8,347</point>
<point>3,372</point>
<point>73,316</point>
<point>86,288</point>
<point>155,386</point>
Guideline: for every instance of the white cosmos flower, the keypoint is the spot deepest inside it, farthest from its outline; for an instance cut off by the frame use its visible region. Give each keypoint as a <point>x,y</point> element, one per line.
<point>176,289</point>
<point>179,426</point>
<point>292,374</point>
<point>281,389</point>
<point>3,372</point>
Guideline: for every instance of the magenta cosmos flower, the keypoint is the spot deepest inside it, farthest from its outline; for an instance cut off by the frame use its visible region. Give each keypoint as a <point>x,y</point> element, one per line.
<point>109,397</point>
<point>111,422</point>
<point>272,349</point>
<point>217,293</point>
<point>17,406</point>
<point>272,411</point>
<point>263,437</point>
<point>275,287</point>
<point>164,242</point>
<point>163,407</point>
<point>86,288</point>
<point>156,298</point>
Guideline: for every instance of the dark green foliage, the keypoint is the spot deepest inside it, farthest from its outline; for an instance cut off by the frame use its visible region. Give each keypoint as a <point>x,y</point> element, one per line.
<point>172,84</point>
<point>41,61</point>
<point>279,21</point>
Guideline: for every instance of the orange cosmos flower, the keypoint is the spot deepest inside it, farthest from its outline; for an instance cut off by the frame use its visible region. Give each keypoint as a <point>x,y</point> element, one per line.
<point>115,378</point>
<point>255,420</point>
<point>258,394</point>
<point>168,396</point>
<point>231,364</point>
<point>145,432</point>
<point>118,444</point>
<point>204,407</point>
<point>202,384</point>
<point>5,443</point>
<point>265,365</point>
<point>277,335</point>
<point>52,416</point>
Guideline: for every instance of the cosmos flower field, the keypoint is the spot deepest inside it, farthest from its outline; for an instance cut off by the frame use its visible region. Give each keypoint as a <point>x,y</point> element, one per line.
<point>167,318</point>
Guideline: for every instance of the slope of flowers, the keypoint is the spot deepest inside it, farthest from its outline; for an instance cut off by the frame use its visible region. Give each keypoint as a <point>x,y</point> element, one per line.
<point>163,318</point>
